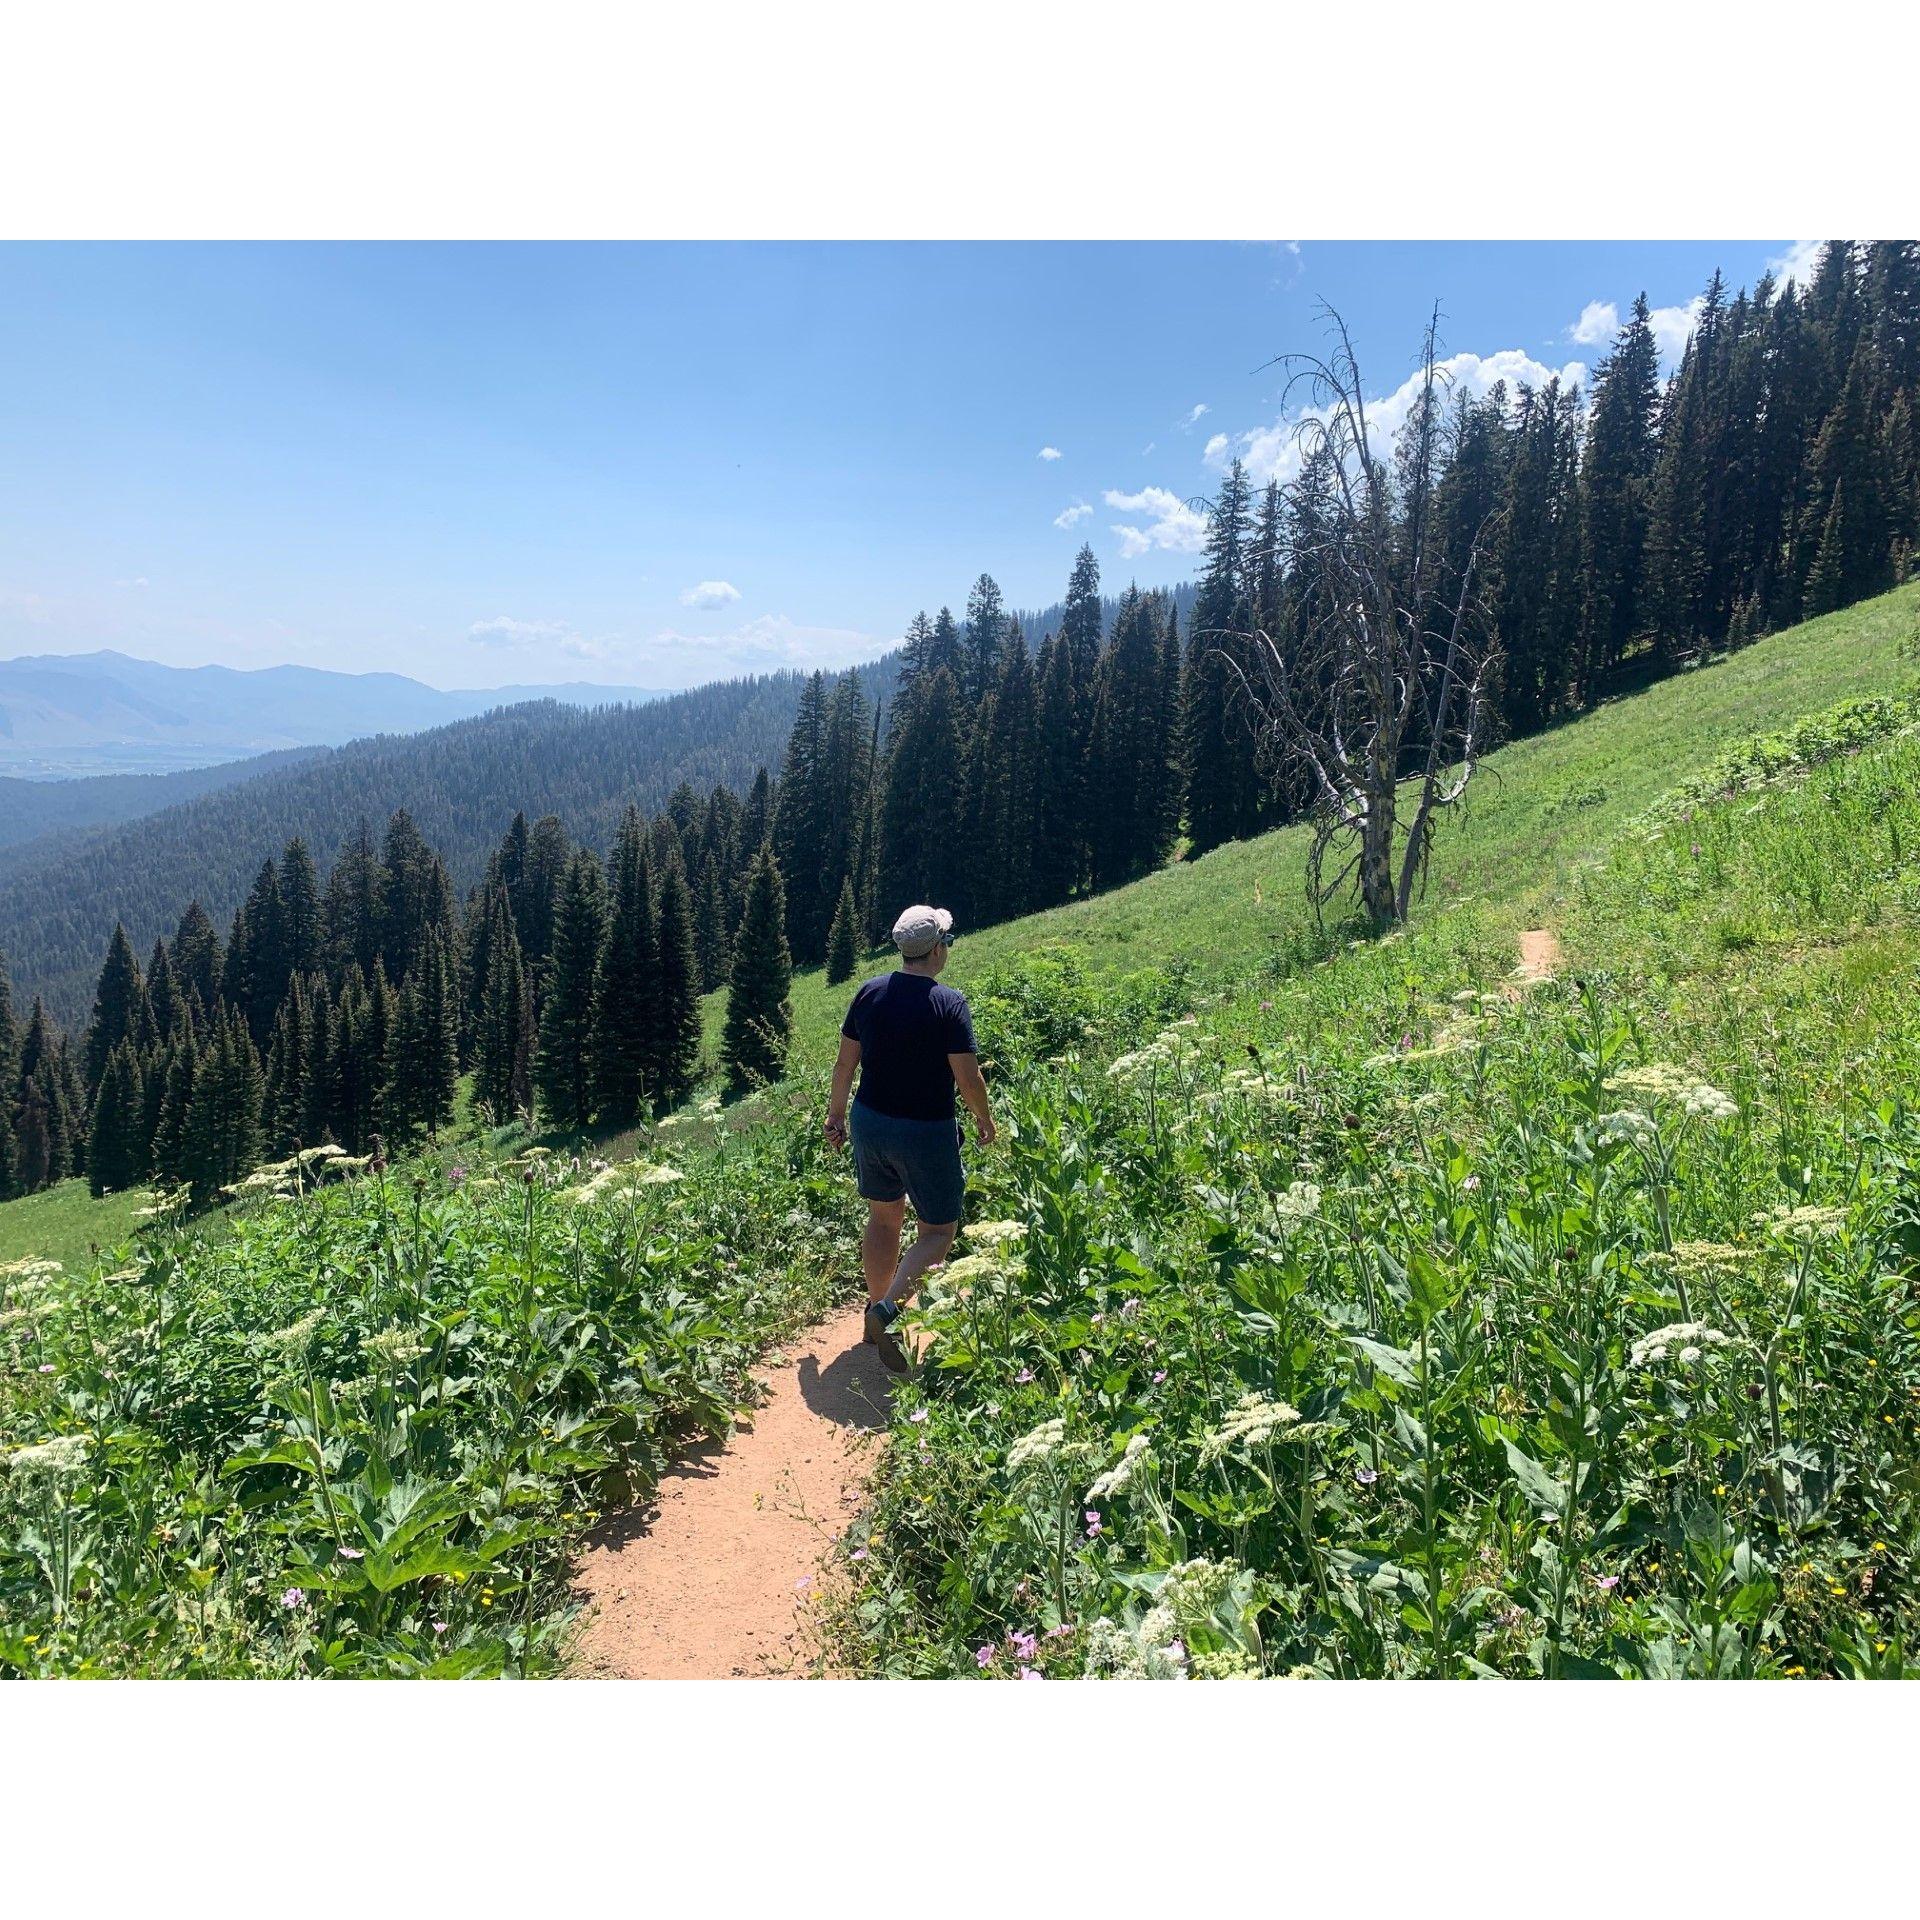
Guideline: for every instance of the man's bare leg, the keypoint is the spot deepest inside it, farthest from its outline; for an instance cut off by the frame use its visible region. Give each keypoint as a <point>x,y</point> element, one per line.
<point>929,1248</point>
<point>880,1244</point>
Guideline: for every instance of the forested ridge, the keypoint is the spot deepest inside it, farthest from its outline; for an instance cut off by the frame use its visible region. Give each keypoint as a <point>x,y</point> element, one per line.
<point>1607,539</point>
<point>462,783</point>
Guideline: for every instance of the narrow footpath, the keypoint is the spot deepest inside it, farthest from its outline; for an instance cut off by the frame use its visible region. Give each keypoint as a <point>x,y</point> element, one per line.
<point>711,1578</point>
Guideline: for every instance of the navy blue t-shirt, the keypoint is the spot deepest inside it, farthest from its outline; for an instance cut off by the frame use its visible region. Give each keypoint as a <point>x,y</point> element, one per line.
<point>907,1024</point>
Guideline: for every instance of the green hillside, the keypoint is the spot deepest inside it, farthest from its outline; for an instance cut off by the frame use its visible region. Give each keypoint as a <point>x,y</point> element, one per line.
<point>1358,1309</point>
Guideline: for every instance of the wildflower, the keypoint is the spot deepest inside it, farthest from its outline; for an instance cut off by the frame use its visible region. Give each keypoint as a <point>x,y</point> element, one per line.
<point>1627,1128</point>
<point>1042,1443</point>
<point>1255,1419</point>
<point>1607,1582</point>
<point>396,1346</point>
<point>1301,1201</point>
<point>1803,1225</point>
<point>1029,1673</point>
<point>658,1176</point>
<point>439,1626</point>
<point>1471,1184</point>
<point>1094,1526</point>
<point>1661,1081</point>
<point>1689,1336</point>
<point>45,1367</point>
<point>1159,1375</point>
<point>352,1553</point>
<point>1365,1475</point>
<point>918,1416</point>
<point>51,1463</point>
<point>984,1656</point>
<point>292,1599</point>
<point>1119,1477</point>
<point>859,1553</point>
<point>995,1233</point>
<point>295,1336</point>
<point>1021,1378</point>
<point>1026,1648</point>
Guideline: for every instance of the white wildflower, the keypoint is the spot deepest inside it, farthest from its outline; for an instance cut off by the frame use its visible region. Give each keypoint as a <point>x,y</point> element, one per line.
<point>1689,1337</point>
<point>995,1233</point>
<point>1042,1443</point>
<point>295,1336</point>
<point>1628,1128</point>
<point>1301,1201</point>
<point>1802,1224</point>
<point>656,1175</point>
<point>1254,1420</point>
<point>1119,1477</point>
<point>50,1463</point>
<point>396,1346</point>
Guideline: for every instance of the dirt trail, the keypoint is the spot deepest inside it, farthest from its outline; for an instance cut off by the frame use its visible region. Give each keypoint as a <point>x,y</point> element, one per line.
<point>709,1580</point>
<point>1540,955</point>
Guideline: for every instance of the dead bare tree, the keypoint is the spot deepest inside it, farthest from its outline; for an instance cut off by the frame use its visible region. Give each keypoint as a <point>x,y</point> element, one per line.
<point>1380,694</point>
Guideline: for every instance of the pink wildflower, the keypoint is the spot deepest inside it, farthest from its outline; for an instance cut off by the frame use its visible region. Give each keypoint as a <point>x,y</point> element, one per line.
<point>984,1656</point>
<point>1094,1528</point>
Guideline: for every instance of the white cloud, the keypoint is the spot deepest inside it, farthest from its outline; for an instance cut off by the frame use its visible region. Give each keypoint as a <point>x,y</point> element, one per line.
<point>709,595</point>
<point>1171,523</point>
<point>1797,263</point>
<point>1273,453</point>
<point>1049,453</point>
<point>1599,321</point>
<point>1073,515</point>
<point>502,631</point>
<point>1197,412</point>
<point>1673,328</point>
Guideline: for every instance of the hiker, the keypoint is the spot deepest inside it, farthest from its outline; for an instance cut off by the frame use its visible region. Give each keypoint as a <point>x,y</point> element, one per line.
<point>912,1040</point>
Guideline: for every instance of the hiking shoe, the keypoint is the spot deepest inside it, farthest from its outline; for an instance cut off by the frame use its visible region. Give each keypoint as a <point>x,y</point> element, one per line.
<point>880,1318</point>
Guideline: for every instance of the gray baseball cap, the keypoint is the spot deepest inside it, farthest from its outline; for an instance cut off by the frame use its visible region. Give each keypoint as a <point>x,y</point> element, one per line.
<point>920,929</point>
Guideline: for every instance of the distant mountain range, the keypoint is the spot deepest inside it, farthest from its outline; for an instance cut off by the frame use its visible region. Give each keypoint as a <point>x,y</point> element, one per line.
<point>63,715</point>
<point>62,891</point>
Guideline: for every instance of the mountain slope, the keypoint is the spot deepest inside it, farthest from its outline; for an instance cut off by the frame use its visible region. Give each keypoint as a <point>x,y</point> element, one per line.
<point>462,783</point>
<point>47,810</point>
<point>106,712</point>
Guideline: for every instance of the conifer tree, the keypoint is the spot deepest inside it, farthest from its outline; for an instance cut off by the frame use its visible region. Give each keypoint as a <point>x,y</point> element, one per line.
<point>1081,621</point>
<point>120,1010</point>
<point>9,1088</point>
<point>1222,794</point>
<point>801,822</point>
<point>759,1023</point>
<point>196,957</point>
<point>923,804</point>
<point>843,940</point>
<point>677,1047</point>
<point>711,939</point>
<point>223,1141</point>
<point>354,909</point>
<point>626,985</point>
<point>564,1069</point>
<point>116,1154</point>
<point>986,627</point>
<point>1061,857</point>
<point>502,1041</point>
<point>300,908</point>
<point>170,1137</point>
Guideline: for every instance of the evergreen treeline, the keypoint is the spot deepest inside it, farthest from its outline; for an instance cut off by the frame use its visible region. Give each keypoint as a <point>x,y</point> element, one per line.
<point>1776,475</point>
<point>60,898</point>
<point>346,1012</point>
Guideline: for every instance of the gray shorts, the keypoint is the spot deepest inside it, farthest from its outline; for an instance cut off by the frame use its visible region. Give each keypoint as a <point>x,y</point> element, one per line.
<point>920,1158</point>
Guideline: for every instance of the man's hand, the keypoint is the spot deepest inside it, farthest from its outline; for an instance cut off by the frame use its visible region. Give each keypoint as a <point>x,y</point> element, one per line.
<point>835,1128</point>
<point>984,1131</point>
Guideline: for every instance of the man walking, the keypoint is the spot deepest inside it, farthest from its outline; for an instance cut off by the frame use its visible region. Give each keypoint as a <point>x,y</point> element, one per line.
<point>912,1041</point>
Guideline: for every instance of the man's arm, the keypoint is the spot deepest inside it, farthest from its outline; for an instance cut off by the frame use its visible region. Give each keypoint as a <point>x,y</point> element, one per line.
<point>843,1066</point>
<point>973,1090</point>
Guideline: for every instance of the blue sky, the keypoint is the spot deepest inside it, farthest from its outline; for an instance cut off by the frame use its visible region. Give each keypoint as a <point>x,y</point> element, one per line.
<point>658,465</point>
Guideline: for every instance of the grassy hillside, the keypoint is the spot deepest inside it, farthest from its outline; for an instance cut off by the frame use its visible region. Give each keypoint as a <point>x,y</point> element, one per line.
<point>1349,1310</point>
<point>1541,810</point>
